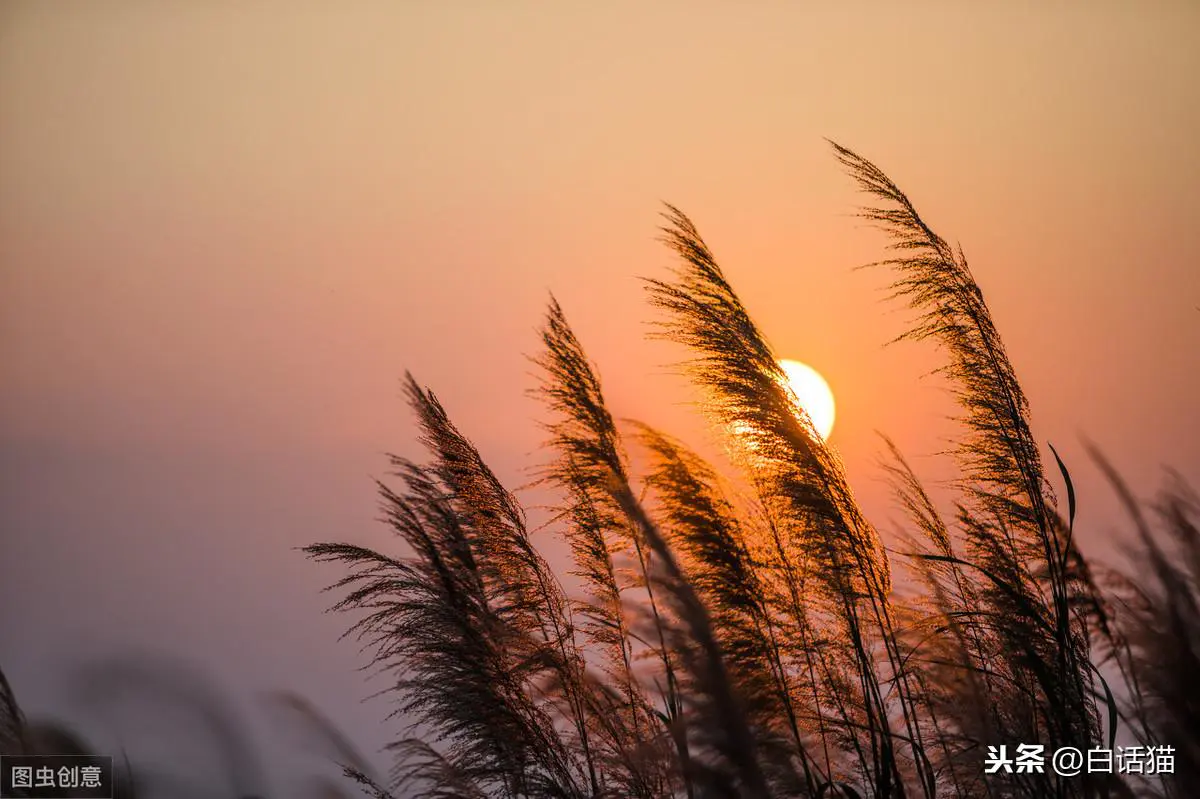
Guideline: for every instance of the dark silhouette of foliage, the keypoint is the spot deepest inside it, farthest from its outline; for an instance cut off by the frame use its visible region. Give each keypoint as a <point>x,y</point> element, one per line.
<point>1151,626</point>
<point>157,686</point>
<point>742,635</point>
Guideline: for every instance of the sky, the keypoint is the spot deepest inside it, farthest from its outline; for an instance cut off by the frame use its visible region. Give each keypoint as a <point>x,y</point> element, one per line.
<point>226,230</point>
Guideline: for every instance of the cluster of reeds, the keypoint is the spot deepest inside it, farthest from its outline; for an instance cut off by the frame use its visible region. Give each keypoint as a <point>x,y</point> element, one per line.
<point>743,635</point>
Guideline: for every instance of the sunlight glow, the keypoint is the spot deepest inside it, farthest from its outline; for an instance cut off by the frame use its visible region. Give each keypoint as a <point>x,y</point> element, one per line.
<point>814,394</point>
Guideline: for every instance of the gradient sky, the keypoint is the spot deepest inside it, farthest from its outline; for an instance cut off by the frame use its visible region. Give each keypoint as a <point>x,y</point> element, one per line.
<point>227,229</point>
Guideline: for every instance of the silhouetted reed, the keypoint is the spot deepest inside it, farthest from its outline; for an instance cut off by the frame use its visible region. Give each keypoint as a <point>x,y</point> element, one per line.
<point>136,694</point>
<point>1150,626</point>
<point>743,635</point>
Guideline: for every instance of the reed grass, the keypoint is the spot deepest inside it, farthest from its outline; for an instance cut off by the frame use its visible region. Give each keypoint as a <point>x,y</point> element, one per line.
<point>748,634</point>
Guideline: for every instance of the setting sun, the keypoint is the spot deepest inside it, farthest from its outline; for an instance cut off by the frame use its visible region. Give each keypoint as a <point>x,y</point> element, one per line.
<point>814,394</point>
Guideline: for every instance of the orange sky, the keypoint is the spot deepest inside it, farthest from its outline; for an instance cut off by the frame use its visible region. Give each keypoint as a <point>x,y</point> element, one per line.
<point>227,229</point>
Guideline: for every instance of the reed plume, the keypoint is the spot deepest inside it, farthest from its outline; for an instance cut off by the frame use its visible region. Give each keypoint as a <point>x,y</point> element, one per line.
<point>1027,634</point>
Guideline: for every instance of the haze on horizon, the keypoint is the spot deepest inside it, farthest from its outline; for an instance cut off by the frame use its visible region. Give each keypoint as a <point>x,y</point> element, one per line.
<point>225,232</point>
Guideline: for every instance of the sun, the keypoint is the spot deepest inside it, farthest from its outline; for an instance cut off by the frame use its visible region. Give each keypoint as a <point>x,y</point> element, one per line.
<point>815,396</point>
